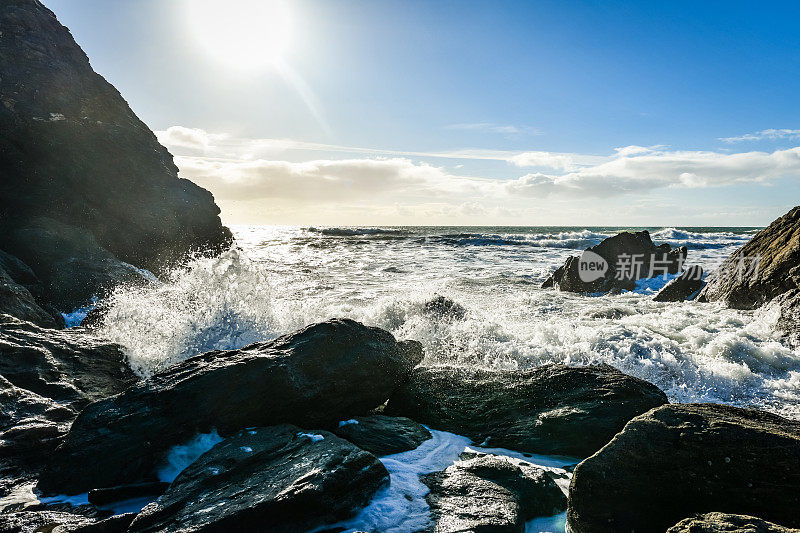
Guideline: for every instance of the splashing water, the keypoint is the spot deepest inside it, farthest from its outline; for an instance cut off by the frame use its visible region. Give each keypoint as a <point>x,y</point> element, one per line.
<point>213,303</point>
<point>284,278</point>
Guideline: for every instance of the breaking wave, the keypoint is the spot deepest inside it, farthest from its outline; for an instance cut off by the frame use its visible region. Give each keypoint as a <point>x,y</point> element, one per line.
<point>694,352</point>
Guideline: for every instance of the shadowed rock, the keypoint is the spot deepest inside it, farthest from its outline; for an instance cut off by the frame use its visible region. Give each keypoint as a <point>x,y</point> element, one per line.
<point>16,300</point>
<point>383,435</point>
<point>682,287</point>
<point>67,366</point>
<point>727,523</point>
<point>636,250</point>
<point>490,493</point>
<point>678,460</point>
<point>552,409</point>
<point>80,156</point>
<point>767,266</point>
<point>788,324</point>
<point>280,478</point>
<point>317,376</point>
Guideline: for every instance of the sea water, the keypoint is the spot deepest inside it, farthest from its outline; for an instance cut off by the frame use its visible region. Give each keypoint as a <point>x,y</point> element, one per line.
<point>279,279</point>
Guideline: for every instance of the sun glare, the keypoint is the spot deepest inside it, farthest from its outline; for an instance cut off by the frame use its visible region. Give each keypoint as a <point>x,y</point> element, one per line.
<point>245,34</point>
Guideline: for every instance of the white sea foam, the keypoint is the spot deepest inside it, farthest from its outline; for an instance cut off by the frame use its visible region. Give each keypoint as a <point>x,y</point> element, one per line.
<point>401,507</point>
<point>182,455</point>
<point>285,280</point>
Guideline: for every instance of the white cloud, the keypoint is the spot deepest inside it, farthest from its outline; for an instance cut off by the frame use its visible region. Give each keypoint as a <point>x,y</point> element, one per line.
<point>243,173</point>
<point>770,134</point>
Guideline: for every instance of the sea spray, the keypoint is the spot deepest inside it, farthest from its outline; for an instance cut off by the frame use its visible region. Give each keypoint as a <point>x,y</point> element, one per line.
<point>282,281</point>
<point>212,303</point>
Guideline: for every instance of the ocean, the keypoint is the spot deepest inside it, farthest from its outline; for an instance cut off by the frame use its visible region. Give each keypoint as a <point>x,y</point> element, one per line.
<point>281,278</point>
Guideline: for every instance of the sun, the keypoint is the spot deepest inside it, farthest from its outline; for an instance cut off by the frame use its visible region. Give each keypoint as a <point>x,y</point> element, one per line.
<point>243,34</point>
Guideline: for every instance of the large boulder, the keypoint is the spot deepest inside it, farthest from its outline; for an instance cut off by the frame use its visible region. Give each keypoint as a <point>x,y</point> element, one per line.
<point>16,300</point>
<point>73,267</point>
<point>682,287</point>
<point>73,150</point>
<point>383,435</point>
<point>679,460</point>
<point>767,266</point>
<point>68,366</point>
<point>553,409</point>
<point>490,493</point>
<point>629,256</point>
<point>317,376</point>
<point>727,523</point>
<point>280,478</point>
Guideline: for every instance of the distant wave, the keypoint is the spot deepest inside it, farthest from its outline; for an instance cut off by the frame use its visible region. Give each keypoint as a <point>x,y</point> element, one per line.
<point>352,232</point>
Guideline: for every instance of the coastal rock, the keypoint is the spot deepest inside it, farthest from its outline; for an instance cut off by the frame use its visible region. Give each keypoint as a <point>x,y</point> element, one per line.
<point>678,460</point>
<point>317,376</point>
<point>16,300</point>
<point>490,493</point>
<point>682,287</point>
<point>79,155</point>
<point>279,478</point>
<point>788,323</point>
<point>442,307</point>
<point>127,492</point>
<point>67,366</point>
<point>767,266</point>
<point>42,521</point>
<point>383,435</point>
<point>553,409</point>
<point>644,258</point>
<point>73,267</point>
<point>727,523</point>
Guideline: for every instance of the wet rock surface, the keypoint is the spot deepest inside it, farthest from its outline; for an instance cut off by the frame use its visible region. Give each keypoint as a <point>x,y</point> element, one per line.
<point>553,409</point>
<point>683,287</point>
<point>637,250</point>
<point>682,459</point>
<point>383,435</point>
<point>490,493</point>
<point>727,523</point>
<point>318,376</point>
<point>280,478</point>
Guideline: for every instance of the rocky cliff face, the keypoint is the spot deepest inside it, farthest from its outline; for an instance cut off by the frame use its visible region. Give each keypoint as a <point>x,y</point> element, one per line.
<point>73,151</point>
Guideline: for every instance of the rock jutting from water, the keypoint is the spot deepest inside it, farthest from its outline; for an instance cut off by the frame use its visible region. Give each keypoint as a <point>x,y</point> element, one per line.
<point>551,409</point>
<point>628,257</point>
<point>767,266</point>
<point>683,287</point>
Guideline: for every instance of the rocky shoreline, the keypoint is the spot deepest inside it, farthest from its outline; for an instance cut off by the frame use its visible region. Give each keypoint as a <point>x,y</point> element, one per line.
<point>297,433</point>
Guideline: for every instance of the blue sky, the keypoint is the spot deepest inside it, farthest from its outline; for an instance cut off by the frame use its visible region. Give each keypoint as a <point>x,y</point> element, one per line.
<point>389,112</point>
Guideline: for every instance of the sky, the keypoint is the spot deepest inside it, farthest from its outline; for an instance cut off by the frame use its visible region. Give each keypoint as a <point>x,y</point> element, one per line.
<point>384,112</point>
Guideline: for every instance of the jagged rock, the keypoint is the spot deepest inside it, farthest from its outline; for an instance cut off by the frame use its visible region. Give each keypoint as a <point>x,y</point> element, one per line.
<point>678,460</point>
<point>17,301</point>
<point>71,367</point>
<point>42,522</point>
<point>73,267</point>
<point>645,260</point>
<point>744,282</point>
<point>552,409</point>
<point>279,478</point>
<point>788,324</point>
<point>490,493</point>
<point>442,307</point>
<point>317,376</point>
<point>682,287</point>
<point>383,435</point>
<point>79,155</point>
<point>727,523</point>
